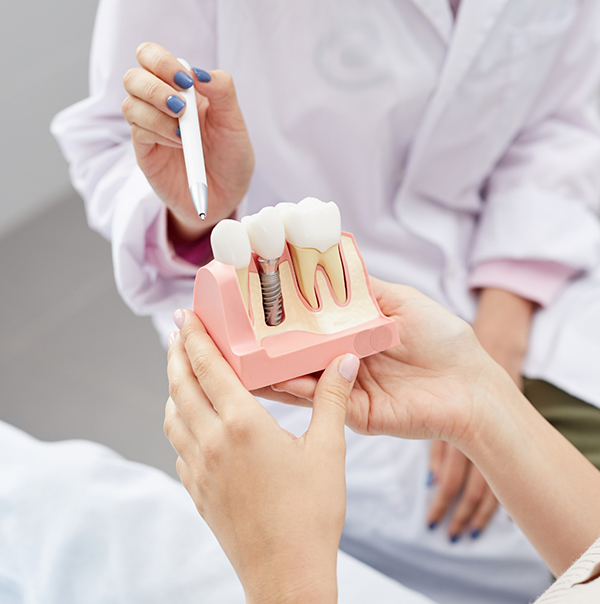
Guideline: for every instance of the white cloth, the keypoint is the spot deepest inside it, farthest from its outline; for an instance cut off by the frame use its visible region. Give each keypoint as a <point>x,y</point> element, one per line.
<point>81,525</point>
<point>445,145</point>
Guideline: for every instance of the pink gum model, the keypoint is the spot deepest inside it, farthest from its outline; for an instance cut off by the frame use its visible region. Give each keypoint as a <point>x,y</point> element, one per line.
<point>219,304</point>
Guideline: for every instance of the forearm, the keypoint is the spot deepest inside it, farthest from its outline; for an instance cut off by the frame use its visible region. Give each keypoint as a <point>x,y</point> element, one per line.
<point>502,327</point>
<point>550,490</point>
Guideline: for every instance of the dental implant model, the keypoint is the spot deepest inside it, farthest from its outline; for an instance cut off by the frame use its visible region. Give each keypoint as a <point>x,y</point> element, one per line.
<point>291,308</point>
<point>267,238</point>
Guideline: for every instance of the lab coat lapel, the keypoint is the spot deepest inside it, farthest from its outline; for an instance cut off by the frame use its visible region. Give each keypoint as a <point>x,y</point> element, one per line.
<point>476,18</point>
<point>439,14</point>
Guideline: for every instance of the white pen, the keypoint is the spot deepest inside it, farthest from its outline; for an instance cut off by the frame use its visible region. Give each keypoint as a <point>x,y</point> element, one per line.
<point>189,128</point>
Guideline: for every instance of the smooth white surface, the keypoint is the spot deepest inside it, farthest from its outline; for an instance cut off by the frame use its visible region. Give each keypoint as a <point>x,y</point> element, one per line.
<point>311,223</point>
<point>191,138</point>
<point>111,530</point>
<point>230,243</point>
<point>266,232</point>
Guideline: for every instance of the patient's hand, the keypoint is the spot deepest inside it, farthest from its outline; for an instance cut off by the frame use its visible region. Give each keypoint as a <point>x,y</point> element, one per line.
<point>427,387</point>
<point>275,502</point>
<point>502,327</point>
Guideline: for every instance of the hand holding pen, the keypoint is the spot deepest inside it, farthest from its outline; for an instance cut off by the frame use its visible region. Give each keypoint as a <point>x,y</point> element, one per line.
<point>153,108</point>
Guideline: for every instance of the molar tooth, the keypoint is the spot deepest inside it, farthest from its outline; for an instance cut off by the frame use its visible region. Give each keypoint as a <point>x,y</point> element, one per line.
<point>313,230</point>
<point>267,237</point>
<point>231,245</point>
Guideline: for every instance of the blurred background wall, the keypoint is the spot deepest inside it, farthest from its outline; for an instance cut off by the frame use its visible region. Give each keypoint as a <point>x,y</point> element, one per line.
<point>46,49</point>
<point>74,360</point>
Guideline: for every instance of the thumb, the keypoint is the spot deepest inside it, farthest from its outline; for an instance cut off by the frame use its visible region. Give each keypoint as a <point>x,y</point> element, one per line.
<point>331,398</point>
<point>218,87</point>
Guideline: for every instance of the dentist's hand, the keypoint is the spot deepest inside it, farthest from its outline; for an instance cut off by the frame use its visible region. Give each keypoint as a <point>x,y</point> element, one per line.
<point>152,109</point>
<point>275,502</point>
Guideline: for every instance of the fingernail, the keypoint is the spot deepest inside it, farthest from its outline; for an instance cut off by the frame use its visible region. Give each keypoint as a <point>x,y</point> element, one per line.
<point>171,339</point>
<point>175,104</point>
<point>183,80</point>
<point>348,368</point>
<point>475,533</point>
<point>203,76</point>
<point>430,478</point>
<point>179,318</point>
<point>178,132</point>
<point>454,538</point>
<point>432,525</point>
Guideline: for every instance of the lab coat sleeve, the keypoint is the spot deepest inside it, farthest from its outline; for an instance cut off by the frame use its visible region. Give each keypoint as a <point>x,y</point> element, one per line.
<point>96,140</point>
<point>543,196</point>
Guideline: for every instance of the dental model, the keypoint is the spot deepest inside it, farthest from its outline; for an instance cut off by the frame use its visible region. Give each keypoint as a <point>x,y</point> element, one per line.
<point>267,238</point>
<point>288,309</point>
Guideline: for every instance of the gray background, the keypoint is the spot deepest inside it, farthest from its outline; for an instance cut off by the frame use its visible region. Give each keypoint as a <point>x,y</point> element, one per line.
<point>74,361</point>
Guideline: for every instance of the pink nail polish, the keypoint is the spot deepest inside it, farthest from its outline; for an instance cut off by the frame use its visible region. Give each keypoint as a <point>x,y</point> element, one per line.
<point>348,368</point>
<point>172,337</point>
<point>179,318</point>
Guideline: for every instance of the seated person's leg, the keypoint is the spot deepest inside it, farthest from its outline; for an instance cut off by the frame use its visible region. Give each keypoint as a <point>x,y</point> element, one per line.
<point>576,420</point>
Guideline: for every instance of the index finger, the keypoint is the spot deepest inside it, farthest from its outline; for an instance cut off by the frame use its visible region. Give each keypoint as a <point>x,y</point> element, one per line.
<point>216,377</point>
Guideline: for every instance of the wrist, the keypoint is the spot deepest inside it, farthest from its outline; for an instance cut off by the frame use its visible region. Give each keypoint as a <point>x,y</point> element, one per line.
<point>184,230</point>
<point>497,417</point>
<point>301,584</point>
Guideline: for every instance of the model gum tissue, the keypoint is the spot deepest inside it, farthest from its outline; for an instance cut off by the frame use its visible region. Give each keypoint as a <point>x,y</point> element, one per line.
<point>302,299</point>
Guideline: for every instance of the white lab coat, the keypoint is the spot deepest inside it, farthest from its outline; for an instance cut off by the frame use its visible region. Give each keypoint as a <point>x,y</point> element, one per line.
<point>444,144</point>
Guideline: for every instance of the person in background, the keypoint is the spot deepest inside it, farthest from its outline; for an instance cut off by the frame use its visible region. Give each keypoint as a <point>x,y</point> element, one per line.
<point>276,502</point>
<point>461,144</point>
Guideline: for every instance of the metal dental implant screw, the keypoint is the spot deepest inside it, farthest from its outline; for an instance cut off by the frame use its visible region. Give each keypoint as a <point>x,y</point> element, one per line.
<point>271,290</point>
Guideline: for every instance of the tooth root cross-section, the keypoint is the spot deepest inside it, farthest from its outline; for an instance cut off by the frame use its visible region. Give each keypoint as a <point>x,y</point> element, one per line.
<point>306,261</point>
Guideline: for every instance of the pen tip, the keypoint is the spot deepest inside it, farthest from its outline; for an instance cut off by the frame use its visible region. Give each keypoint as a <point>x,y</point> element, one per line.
<point>202,216</point>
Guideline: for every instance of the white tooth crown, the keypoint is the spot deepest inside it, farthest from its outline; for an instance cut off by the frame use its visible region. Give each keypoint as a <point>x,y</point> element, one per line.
<point>312,223</point>
<point>266,232</point>
<point>230,243</point>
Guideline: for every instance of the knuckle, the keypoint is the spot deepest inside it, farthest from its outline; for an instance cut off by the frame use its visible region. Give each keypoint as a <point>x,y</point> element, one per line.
<point>144,50</point>
<point>151,88</point>
<point>237,425</point>
<point>201,366</point>
<point>128,78</point>
<point>127,106</point>
<point>168,426</point>
<point>176,387</point>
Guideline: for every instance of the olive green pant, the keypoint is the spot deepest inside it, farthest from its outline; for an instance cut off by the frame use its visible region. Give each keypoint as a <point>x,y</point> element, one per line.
<point>576,420</point>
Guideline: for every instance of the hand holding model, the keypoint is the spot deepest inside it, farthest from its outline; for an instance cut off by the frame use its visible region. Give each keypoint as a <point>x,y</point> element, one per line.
<point>275,502</point>
<point>438,383</point>
<point>152,109</point>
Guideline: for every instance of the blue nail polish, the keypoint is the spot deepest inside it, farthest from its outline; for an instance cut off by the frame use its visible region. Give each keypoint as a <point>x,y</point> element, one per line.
<point>175,104</point>
<point>178,132</point>
<point>430,478</point>
<point>432,525</point>
<point>475,533</point>
<point>454,538</point>
<point>203,76</point>
<point>183,80</point>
